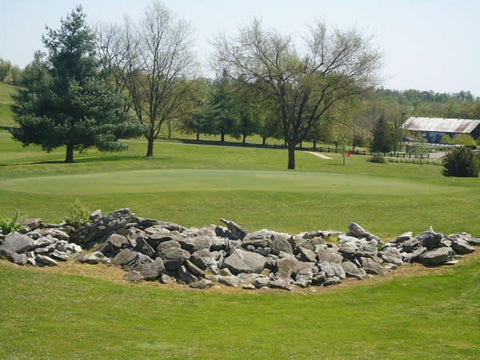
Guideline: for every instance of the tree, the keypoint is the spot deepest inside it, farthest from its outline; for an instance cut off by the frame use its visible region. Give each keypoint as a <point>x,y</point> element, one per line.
<point>5,67</point>
<point>303,86</point>
<point>153,61</point>
<point>64,100</point>
<point>461,162</point>
<point>382,136</point>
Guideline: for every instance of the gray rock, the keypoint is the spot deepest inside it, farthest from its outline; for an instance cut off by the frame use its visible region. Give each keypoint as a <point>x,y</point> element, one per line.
<point>319,278</point>
<point>436,257</point>
<point>186,276</point>
<point>371,266</point>
<point>307,255</point>
<point>133,277</point>
<point>283,284</point>
<point>95,215</point>
<point>285,268</point>
<point>164,246</point>
<point>56,234</point>
<point>280,242</point>
<point>260,238</point>
<point>59,255</point>
<point>46,260</point>
<point>332,269</point>
<point>19,259</point>
<point>129,260</point>
<point>143,247</point>
<point>174,257</point>
<point>167,279</point>
<point>151,271</point>
<point>231,281</point>
<point>409,245</point>
<point>404,237</point>
<point>430,239</point>
<point>242,261</point>
<point>195,243</point>
<point>332,281</point>
<point>304,276</point>
<point>461,247</point>
<point>205,259</point>
<point>248,287</point>
<point>392,255</point>
<point>261,281</point>
<point>201,284</point>
<point>18,243</point>
<point>264,251</point>
<point>413,256</point>
<point>118,242</point>
<point>359,232</point>
<point>237,232</point>
<point>194,269</point>
<point>157,237</point>
<point>329,255</point>
<point>351,270</point>
<point>32,224</point>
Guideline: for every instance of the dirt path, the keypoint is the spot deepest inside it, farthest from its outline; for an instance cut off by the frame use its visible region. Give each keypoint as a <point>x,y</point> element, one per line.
<point>319,155</point>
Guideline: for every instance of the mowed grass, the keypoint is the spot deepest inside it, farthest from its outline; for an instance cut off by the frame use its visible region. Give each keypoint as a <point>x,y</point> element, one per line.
<point>433,315</point>
<point>6,114</point>
<point>54,316</point>
<point>196,185</point>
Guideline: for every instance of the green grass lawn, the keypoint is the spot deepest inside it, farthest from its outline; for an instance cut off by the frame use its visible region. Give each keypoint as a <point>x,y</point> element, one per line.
<point>6,115</point>
<point>433,315</point>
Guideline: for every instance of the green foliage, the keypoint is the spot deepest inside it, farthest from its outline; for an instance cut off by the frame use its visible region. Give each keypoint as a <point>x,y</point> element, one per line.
<point>78,215</point>
<point>8,225</point>
<point>64,100</point>
<point>461,162</point>
<point>382,136</point>
<point>466,140</point>
<point>378,158</point>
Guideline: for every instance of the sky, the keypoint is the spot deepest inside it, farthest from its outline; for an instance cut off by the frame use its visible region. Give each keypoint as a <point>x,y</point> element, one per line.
<point>426,44</point>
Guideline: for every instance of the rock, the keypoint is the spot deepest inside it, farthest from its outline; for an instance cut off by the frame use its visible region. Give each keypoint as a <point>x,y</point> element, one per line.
<point>359,232</point>
<point>286,267</point>
<point>133,277</point>
<point>351,270</point>
<point>242,261</point>
<point>404,237</point>
<point>18,243</point>
<point>371,266</point>
<point>319,278</point>
<point>304,276</point>
<point>392,255</point>
<point>261,281</point>
<point>260,238</point>
<point>186,276</point>
<point>461,247</point>
<point>194,269</point>
<point>95,215</point>
<point>118,242</point>
<point>195,244</point>
<point>283,284</point>
<point>264,251</point>
<point>332,281</point>
<point>174,257</point>
<point>143,247</point>
<point>430,239</point>
<point>19,259</point>
<point>167,279</point>
<point>280,242</point>
<point>155,238</point>
<point>201,284</point>
<point>306,255</point>
<point>128,259</point>
<point>237,232</point>
<point>59,255</point>
<point>413,256</point>
<point>409,245</point>
<point>248,287</point>
<point>205,260</point>
<point>436,257</point>
<point>332,269</point>
<point>329,255</point>
<point>46,260</point>
<point>231,280</point>
<point>56,234</point>
<point>151,271</point>
<point>164,246</point>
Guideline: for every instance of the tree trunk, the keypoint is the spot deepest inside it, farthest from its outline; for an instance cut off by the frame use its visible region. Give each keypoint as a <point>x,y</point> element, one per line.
<point>69,156</point>
<point>264,140</point>
<point>198,136</point>
<point>244,139</point>
<point>314,145</point>
<point>169,124</point>
<point>222,137</point>
<point>150,140</point>
<point>291,156</point>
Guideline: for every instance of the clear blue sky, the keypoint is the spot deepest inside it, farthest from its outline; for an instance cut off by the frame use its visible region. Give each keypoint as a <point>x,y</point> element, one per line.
<point>427,45</point>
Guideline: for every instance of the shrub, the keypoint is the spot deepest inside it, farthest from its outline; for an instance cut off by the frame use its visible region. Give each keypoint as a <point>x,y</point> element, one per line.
<point>377,158</point>
<point>78,215</point>
<point>8,225</point>
<point>461,162</point>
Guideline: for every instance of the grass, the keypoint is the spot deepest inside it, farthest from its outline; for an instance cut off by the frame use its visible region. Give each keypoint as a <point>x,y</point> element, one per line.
<point>417,317</point>
<point>6,114</point>
<point>66,313</point>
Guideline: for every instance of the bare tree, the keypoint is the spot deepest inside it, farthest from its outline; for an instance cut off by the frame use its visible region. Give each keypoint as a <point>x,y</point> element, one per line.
<point>152,61</point>
<point>304,87</point>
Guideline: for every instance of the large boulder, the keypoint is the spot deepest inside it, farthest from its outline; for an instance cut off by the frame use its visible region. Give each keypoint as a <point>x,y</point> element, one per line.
<point>371,266</point>
<point>205,259</point>
<point>280,242</point>
<point>392,255</point>
<point>352,270</point>
<point>152,270</point>
<point>237,232</point>
<point>461,246</point>
<point>174,257</point>
<point>242,261</point>
<point>359,232</point>
<point>285,268</point>
<point>129,260</point>
<point>329,255</point>
<point>430,239</point>
<point>18,243</point>
<point>436,257</point>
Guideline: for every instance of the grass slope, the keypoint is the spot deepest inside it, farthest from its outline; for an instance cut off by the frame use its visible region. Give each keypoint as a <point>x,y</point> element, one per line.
<point>54,316</point>
<point>6,114</point>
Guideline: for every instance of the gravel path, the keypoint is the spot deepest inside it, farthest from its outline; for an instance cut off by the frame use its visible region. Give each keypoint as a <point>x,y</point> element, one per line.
<point>319,155</point>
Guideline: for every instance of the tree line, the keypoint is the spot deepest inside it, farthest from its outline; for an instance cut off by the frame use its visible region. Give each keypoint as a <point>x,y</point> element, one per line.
<point>94,86</point>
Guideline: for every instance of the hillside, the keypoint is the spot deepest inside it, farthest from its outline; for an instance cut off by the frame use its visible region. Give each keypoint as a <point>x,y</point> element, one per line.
<point>6,115</point>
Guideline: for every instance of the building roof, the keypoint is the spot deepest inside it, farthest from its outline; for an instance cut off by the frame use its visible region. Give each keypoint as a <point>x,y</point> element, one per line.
<point>444,125</point>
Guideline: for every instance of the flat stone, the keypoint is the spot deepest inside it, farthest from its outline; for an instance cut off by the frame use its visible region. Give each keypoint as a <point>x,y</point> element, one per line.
<point>151,271</point>
<point>307,255</point>
<point>237,232</point>
<point>286,267</point>
<point>18,243</point>
<point>332,256</point>
<point>174,257</point>
<point>133,277</point>
<point>352,270</point>
<point>231,281</point>
<point>201,284</point>
<point>242,261</point>
<point>59,255</point>
<point>46,260</point>
<point>436,257</point>
<point>332,281</point>
<point>371,266</point>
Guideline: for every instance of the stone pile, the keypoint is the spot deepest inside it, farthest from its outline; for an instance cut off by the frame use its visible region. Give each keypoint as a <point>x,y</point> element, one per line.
<point>154,250</point>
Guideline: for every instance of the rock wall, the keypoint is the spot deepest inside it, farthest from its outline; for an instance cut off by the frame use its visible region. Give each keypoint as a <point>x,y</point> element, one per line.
<point>155,250</point>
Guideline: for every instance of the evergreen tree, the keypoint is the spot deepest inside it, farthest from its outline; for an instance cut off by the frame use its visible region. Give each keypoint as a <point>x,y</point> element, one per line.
<point>64,100</point>
<point>382,136</point>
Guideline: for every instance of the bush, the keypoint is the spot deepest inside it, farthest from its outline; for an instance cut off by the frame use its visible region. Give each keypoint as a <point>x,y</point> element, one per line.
<point>461,162</point>
<point>377,158</point>
<point>8,225</point>
<point>78,215</point>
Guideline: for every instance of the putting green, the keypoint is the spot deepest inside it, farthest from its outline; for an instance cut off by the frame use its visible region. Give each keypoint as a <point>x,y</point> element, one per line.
<point>151,181</point>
